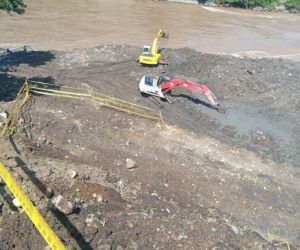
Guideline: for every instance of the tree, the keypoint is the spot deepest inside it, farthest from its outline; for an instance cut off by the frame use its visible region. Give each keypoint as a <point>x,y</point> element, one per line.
<point>17,6</point>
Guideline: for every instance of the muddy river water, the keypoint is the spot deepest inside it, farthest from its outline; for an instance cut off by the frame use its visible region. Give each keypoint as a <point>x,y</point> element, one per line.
<point>71,24</point>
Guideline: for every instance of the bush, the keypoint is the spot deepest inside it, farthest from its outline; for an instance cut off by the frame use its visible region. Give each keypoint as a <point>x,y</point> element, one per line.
<point>289,4</point>
<point>17,6</point>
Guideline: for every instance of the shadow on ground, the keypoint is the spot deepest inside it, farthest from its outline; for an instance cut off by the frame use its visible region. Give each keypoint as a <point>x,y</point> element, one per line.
<point>9,83</point>
<point>62,218</point>
<point>31,58</point>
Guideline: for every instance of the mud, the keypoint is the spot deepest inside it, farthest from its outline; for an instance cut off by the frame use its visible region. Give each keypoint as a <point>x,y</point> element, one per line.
<point>207,180</point>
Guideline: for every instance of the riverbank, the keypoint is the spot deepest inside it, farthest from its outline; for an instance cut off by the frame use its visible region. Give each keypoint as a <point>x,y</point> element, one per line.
<point>289,6</point>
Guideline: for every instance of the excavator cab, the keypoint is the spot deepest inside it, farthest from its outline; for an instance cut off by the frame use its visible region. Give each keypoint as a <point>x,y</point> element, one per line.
<point>151,54</point>
<point>150,86</point>
<point>163,79</point>
<point>147,50</point>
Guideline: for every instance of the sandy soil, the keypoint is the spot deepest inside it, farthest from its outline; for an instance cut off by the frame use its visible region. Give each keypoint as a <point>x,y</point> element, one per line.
<point>205,181</point>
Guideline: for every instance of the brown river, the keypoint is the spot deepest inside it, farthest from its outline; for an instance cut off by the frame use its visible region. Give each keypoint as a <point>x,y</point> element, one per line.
<point>72,24</point>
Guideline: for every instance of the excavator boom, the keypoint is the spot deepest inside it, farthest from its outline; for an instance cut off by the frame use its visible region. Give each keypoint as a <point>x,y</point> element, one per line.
<point>163,85</point>
<point>192,86</point>
<point>159,35</point>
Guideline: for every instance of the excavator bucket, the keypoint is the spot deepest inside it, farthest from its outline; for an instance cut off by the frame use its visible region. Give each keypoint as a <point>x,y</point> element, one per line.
<point>165,35</point>
<point>221,109</point>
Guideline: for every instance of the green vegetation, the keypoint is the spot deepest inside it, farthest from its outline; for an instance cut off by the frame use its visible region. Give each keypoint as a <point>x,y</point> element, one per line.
<point>288,4</point>
<point>16,6</point>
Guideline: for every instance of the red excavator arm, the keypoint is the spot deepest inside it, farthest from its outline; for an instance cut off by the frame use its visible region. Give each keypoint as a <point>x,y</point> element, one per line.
<point>166,86</point>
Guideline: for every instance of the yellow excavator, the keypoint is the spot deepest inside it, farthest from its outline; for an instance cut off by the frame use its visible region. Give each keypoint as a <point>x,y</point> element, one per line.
<point>151,55</point>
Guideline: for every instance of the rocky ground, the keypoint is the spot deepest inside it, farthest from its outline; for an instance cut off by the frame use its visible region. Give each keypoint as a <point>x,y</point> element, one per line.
<point>204,181</point>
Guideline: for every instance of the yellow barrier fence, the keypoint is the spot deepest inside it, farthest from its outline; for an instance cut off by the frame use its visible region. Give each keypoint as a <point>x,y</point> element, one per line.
<point>31,211</point>
<point>21,99</point>
<point>103,100</point>
<point>74,93</point>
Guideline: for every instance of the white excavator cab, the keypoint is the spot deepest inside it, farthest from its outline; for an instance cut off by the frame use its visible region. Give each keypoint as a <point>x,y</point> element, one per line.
<point>149,85</point>
<point>147,50</point>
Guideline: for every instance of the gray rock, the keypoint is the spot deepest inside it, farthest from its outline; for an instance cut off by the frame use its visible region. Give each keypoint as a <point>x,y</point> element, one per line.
<point>63,205</point>
<point>16,202</point>
<point>210,4</point>
<point>280,8</point>
<point>130,225</point>
<point>235,229</point>
<point>130,163</point>
<point>119,247</point>
<point>85,177</point>
<point>258,8</point>
<point>4,115</point>
<point>91,220</point>
<point>293,11</point>
<point>72,173</point>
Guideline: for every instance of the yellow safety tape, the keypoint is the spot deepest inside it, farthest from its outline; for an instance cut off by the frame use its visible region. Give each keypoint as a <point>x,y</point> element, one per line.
<point>21,99</point>
<point>32,212</point>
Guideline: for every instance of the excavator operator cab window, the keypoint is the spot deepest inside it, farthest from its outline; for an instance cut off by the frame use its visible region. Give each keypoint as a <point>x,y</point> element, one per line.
<point>146,50</point>
<point>149,81</point>
<point>162,79</point>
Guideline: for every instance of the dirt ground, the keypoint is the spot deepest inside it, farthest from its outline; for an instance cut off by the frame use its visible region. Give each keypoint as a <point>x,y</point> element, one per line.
<point>205,181</point>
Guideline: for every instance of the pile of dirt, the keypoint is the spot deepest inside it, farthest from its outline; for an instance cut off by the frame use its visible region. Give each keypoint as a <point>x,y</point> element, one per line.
<point>207,180</point>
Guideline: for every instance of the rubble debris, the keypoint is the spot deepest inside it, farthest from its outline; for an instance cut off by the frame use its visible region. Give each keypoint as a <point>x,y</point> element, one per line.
<point>130,225</point>
<point>4,115</point>
<point>92,220</point>
<point>130,163</point>
<point>235,229</point>
<point>62,205</point>
<point>72,173</point>
<point>16,203</point>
